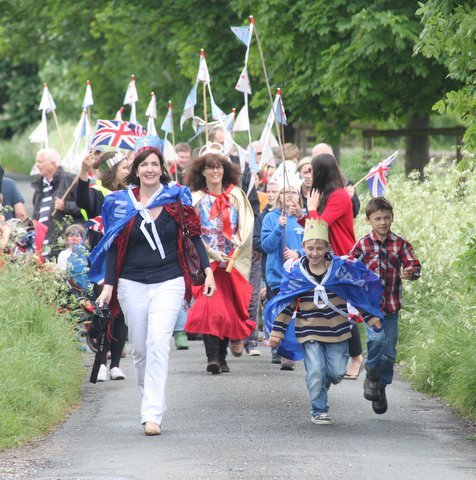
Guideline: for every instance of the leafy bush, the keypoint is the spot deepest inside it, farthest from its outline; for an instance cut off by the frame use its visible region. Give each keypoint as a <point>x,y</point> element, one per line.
<point>41,369</point>
<point>437,346</point>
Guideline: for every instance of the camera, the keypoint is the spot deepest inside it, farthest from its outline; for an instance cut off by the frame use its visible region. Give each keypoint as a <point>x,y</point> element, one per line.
<point>99,320</point>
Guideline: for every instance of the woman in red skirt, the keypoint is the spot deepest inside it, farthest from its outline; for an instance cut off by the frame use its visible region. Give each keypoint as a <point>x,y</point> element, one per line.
<point>227,230</point>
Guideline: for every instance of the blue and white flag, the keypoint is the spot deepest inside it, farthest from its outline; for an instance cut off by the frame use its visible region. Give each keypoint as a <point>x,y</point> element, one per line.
<point>189,107</point>
<point>347,277</point>
<point>168,123</point>
<point>243,34</point>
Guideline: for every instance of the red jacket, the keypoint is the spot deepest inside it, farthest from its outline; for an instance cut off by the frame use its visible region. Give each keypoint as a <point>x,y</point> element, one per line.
<point>339,217</point>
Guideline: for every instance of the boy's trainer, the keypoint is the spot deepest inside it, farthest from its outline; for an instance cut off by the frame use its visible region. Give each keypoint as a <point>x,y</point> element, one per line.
<point>321,418</point>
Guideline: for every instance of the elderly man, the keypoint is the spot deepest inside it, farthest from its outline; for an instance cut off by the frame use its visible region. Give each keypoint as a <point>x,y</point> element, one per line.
<point>49,189</point>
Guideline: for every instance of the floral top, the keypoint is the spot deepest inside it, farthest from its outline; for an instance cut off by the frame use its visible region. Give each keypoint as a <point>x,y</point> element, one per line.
<point>213,231</point>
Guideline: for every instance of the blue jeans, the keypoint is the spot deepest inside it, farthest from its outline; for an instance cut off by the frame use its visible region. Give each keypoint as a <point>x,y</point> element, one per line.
<point>382,348</point>
<point>325,363</point>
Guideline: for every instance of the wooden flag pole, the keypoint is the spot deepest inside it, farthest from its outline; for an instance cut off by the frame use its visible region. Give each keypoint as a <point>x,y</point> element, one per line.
<point>265,71</point>
<point>173,138</point>
<point>68,191</point>
<point>59,130</point>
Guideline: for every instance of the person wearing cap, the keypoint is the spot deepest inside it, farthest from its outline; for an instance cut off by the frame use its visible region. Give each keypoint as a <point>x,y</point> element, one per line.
<point>141,260</point>
<point>113,168</point>
<point>314,292</point>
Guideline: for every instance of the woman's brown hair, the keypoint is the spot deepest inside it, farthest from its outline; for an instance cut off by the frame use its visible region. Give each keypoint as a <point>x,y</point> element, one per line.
<point>196,180</point>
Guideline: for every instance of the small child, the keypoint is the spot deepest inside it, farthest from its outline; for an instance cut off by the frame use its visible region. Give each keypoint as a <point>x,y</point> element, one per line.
<point>312,304</point>
<point>73,235</point>
<point>385,253</point>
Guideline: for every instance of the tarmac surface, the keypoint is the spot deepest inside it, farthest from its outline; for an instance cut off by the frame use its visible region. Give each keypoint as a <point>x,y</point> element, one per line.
<point>252,423</point>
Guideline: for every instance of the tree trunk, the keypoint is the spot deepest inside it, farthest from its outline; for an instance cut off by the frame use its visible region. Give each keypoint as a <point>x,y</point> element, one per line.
<point>417,153</point>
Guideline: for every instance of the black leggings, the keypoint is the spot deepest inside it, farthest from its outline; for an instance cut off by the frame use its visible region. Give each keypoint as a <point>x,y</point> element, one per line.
<point>119,334</point>
<point>355,345</point>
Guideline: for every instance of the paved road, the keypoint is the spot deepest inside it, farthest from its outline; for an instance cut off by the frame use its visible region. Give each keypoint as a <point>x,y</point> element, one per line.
<point>250,424</point>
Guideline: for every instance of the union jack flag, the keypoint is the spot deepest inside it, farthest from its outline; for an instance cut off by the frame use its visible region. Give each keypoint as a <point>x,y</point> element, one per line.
<point>117,134</point>
<point>377,178</point>
<point>95,224</point>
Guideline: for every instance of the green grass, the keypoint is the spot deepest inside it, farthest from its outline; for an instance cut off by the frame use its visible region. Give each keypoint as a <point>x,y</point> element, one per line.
<point>18,154</point>
<point>41,368</point>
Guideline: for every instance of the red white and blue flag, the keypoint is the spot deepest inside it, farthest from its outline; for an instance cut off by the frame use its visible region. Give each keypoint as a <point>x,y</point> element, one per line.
<point>115,133</point>
<point>95,224</point>
<point>377,178</point>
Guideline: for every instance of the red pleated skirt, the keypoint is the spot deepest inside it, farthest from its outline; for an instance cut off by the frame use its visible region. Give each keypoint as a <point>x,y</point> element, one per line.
<point>224,315</point>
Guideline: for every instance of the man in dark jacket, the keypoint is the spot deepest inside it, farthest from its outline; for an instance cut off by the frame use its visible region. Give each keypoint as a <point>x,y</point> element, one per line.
<point>49,207</point>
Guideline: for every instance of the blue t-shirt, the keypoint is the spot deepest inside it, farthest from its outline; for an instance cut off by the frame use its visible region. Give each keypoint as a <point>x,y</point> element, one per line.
<point>11,196</point>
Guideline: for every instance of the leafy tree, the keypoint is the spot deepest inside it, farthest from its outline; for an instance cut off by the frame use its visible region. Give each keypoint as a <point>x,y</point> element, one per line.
<point>449,31</point>
<point>349,60</point>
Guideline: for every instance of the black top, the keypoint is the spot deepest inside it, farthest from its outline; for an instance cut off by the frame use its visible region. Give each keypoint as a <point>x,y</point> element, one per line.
<point>144,265</point>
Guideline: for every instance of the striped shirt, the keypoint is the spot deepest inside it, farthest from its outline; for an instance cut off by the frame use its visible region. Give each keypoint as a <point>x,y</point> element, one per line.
<point>386,259</point>
<point>312,323</point>
<point>46,204</point>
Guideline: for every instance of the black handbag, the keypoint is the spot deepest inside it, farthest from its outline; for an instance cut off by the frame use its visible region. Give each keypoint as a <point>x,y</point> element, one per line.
<point>189,252</point>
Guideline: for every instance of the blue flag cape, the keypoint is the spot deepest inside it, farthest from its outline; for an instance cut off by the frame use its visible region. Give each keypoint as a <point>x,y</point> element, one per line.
<point>118,210</point>
<point>346,277</point>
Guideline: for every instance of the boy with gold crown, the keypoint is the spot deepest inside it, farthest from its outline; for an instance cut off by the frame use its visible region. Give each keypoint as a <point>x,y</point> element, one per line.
<point>309,318</point>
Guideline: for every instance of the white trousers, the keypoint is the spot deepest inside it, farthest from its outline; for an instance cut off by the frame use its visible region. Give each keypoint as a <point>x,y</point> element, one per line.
<point>150,312</point>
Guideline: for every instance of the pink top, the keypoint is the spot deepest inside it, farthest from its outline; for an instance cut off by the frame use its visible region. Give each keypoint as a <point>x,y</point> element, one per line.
<point>339,217</point>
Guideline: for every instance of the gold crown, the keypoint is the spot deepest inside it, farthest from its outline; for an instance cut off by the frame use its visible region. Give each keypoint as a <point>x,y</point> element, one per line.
<point>316,229</point>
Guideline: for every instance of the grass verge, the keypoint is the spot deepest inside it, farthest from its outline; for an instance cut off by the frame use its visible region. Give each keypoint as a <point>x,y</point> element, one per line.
<point>41,369</point>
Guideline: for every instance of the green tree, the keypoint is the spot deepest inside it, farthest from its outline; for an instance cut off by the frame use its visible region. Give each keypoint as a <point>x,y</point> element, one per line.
<point>448,35</point>
<point>347,60</point>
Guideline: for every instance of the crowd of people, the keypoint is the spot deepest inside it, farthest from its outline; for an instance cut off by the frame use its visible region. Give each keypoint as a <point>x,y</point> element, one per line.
<point>278,238</point>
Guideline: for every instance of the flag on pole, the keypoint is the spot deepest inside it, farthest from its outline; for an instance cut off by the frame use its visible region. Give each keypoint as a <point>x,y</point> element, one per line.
<point>243,34</point>
<point>88,96</point>
<point>119,114</point>
<point>279,109</point>
<point>151,113</point>
<point>242,122</point>
<point>131,98</point>
<point>152,107</point>
<point>167,124</point>
<point>203,75</point>
<point>243,85</point>
<point>82,128</point>
<point>47,103</point>
<point>95,224</point>
<point>377,178</point>
<point>117,134</point>
<point>40,134</point>
<point>189,107</point>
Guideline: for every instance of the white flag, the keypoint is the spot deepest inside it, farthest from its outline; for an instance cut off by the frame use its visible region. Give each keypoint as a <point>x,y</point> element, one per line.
<point>242,121</point>
<point>152,107</point>
<point>189,107</point>
<point>40,134</point>
<point>131,96</point>
<point>119,114</point>
<point>151,130</point>
<point>169,152</point>
<point>243,84</point>
<point>203,75</point>
<point>47,103</point>
<point>88,96</point>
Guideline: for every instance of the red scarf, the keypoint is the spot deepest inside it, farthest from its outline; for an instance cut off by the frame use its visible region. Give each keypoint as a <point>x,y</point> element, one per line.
<point>221,208</point>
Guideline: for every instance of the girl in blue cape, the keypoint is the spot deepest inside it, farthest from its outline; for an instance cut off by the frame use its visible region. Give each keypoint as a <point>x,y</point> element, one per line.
<point>308,319</point>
